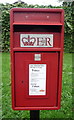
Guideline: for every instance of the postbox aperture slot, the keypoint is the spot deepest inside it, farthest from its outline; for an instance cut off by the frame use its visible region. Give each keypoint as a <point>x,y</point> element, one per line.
<point>37,28</point>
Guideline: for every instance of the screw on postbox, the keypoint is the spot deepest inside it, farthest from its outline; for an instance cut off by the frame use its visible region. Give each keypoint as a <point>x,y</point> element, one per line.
<point>36,42</point>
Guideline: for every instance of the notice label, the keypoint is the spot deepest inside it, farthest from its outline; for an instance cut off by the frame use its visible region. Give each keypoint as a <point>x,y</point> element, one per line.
<point>37,79</point>
<point>37,57</point>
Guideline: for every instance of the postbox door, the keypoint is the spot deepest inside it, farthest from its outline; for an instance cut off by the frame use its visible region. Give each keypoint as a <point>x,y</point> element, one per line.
<point>23,62</point>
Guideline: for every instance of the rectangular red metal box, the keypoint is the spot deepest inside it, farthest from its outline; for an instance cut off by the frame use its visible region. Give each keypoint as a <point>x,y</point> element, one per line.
<point>37,37</point>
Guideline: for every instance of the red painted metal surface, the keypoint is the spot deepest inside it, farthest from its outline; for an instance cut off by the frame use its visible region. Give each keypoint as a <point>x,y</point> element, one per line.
<point>36,21</point>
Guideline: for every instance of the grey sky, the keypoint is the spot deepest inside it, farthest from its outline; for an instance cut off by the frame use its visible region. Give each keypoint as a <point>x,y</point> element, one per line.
<point>39,2</point>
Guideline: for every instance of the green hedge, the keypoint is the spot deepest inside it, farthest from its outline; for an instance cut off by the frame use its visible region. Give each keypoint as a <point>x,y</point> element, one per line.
<point>5,9</point>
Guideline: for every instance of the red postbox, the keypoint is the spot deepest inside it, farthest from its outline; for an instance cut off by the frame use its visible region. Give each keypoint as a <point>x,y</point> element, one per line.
<point>37,37</point>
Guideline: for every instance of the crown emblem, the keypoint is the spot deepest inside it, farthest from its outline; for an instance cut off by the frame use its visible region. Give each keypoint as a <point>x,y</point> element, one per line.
<point>28,41</point>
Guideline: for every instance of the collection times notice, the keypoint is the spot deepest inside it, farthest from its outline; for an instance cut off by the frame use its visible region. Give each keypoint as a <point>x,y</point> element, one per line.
<point>37,79</point>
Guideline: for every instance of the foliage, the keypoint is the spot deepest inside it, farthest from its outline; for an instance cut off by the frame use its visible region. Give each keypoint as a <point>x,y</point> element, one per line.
<point>69,25</point>
<point>66,102</point>
<point>67,6</point>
